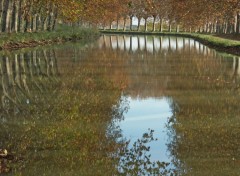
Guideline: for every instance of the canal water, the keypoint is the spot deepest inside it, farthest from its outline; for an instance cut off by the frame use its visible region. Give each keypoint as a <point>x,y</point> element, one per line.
<point>120,88</point>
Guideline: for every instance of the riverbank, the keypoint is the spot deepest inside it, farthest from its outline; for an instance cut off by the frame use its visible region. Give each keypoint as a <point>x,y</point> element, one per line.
<point>222,43</point>
<point>11,41</point>
<point>219,42</point>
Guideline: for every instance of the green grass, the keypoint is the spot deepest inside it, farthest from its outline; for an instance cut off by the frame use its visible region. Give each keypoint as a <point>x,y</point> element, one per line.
<point>61,34</point>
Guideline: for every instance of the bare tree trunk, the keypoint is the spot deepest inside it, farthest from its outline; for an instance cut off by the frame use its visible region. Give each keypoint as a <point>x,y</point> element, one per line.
<point>19,16</point>
<point>238,24</point>
<point>43,23</point>
<point>14,18</point>
<point>145,25</point>
<point>117,22</point>
<point>4,15</point>
<point>55,15</point>
<point>104,26</point>
<point>29,26</point>
<point>154,23</point>
<point>131,20</point>
<point>161,25</point>
<point>124,24</point>
<point>1,13</point>
<point>26,25</point>
<point>50,17</point>
<point>139,22</point>
<point>110,25</point>
<point>169,27</point>
<point>210,28</point>
<point>177,28</point>
<point>16,15</point>
<point>9,16</point>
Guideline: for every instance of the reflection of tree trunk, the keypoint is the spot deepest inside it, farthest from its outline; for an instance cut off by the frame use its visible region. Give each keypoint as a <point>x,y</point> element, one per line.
<point>195,46</point>
<point>124,43</point>
<point>145,43</point>
<point>183,44</point>
<point>189,46</point>
<point>111,46</point>
<point>176,44</point>
<point>30,69</point>
<point>169,44</point>
<point>5,86</point>
<point>51,63</point>
<point>9,71</point>
<point>17,72</point>
<point>39,59</point>
<point>23,73</point>
<point>55,62</point>
<point>130,49</point>
<point>46,62</point>
<point>154,49</point>
<point>35,64</point>
<point>104,41</point>
<point>117,43</point>
<point>235,69</point>
<point>138,38</point>
<point>160,44</point>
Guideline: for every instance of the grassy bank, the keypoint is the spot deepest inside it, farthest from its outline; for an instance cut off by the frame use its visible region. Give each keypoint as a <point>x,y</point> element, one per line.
<point>216,42</point>
<point>61,34</point>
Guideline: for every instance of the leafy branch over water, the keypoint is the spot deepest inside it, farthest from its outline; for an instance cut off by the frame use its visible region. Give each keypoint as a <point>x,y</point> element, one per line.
<point>136,160</point>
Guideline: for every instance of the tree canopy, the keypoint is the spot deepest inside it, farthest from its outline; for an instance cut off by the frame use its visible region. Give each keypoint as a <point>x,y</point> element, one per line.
<point>208,16</point>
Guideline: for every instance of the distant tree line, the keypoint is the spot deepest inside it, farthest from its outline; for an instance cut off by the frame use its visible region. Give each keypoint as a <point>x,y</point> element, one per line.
<point>221,16</point>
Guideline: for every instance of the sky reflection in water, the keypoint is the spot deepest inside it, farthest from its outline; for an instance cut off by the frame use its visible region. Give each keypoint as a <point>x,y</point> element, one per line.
<point>144,114</point>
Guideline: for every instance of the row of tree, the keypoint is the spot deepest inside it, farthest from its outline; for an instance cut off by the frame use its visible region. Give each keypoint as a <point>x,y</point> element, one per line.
<point>218,16</point>
<point>27,15</point>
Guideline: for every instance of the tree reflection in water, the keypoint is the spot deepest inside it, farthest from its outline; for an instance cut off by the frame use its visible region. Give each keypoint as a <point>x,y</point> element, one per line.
<point>204,88</point>
<point>59,105</point>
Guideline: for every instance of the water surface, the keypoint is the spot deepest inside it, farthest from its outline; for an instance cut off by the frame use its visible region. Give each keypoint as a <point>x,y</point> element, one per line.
<point>66,102</point>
